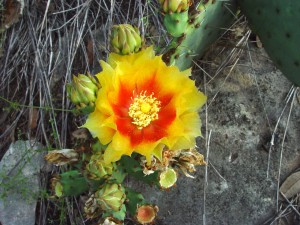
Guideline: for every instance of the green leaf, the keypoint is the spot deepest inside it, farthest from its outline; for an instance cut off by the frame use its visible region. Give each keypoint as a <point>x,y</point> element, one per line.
<point>73,183</point>
<point>133,167</point>
<point>134,199</point>
<point>119,173</point>
<point>120,215</point>
<point>98,147</point>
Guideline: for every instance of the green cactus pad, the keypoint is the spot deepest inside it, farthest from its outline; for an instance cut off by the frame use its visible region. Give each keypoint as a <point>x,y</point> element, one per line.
<point>134,199</point>
<point>133,168</point>
<point>206,24</point>
<point>120,215</point>
<point>72,183</point>
<point>276,23</point>
<point>176,23</point>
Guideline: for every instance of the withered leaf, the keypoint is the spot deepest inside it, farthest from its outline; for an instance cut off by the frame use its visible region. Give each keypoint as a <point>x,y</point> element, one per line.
<point>90,51</point>
<point>291,186</point>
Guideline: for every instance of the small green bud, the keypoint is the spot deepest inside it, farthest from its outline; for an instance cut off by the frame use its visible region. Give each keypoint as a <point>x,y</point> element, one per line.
<point>83,90</point>
<point>175,6</point>
<point>111,197</point>
<point>97,169</point>
<point>125,39</point>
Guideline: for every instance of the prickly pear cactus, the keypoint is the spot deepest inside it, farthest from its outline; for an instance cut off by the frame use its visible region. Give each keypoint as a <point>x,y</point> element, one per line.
<point>207,21</point>
<point>276,23</point>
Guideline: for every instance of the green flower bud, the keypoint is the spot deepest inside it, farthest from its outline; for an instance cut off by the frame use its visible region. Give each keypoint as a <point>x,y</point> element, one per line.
<point>175,6</point>
<point>97,169</point>
<point>111,197</point>
<point>83,90</point>
<point>125,39</point>
<point>146,214</point>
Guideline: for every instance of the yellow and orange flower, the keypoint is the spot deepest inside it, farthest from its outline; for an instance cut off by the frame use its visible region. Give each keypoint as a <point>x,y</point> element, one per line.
<point>143,106</point>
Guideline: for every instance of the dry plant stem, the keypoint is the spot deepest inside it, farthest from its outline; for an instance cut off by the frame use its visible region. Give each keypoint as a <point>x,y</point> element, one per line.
<point>223,83</point>
<point>206,177</point>
<point>291,204</point>
<point>291,98</point>
<point>283,212</point>
<point>273,135</point>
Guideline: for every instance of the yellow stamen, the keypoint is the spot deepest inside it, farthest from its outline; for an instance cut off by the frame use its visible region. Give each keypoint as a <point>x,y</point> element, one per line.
<point>144,109</point>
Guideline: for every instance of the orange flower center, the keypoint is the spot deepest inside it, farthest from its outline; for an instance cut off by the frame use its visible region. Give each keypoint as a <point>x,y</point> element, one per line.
<point>144,109</point>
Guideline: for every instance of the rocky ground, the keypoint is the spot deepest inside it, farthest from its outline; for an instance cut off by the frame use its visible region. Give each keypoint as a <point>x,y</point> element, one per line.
<point>240,184</point>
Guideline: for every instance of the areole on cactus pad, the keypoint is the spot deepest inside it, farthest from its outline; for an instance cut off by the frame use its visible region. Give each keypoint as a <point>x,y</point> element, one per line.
<point>276,23</point>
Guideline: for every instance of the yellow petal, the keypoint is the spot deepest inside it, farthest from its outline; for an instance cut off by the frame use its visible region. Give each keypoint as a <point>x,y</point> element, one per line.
<point>119,146</point>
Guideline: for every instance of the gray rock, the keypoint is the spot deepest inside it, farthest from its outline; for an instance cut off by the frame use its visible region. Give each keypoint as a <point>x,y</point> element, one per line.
<point>19,182</point>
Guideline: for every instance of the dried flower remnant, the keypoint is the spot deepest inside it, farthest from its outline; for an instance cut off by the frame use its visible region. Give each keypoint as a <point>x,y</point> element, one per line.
<point>62,157</point>
<point>146,214</point>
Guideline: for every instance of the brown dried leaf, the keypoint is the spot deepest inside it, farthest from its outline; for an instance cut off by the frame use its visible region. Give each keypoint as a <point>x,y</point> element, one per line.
<point>81,133</point>
<point>33,118</point>
<point>291,186</point>
<point>90,51</point>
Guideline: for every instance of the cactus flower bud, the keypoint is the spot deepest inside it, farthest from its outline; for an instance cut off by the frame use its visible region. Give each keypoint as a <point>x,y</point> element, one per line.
<point>83,90</point>
<point>111,197</point>
<point>176,15</point>
<point>97,169</point>
<point>125,39</point>
<point>167,178</point>
<point>62,157</point>
<point>146,214</point>
<point>175,6</point>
